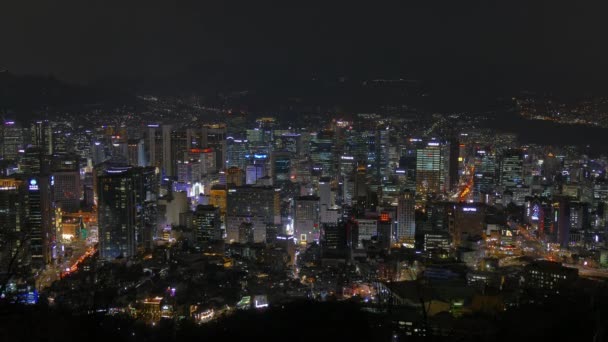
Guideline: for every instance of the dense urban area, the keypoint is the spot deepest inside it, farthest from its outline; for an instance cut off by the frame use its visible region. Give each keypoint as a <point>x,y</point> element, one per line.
<point>174,219</point>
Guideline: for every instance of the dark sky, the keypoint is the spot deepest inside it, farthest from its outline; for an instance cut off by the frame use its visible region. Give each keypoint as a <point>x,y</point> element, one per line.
<point>524,43</point>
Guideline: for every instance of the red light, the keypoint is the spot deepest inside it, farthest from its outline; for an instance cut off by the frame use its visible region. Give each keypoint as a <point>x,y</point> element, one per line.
<point>384,217</point>
<point>201,150</point>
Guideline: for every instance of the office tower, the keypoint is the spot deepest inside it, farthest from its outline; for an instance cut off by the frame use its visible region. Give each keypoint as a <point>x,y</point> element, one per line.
<point>325,195</point>
<point>11,136</point>
<point>13,224</point>
<point>40,215</point>
<point>306,219</point>
<point>167,151</point>
<point>511,168</point>
<point>235,176</point>
<point>321,152</point>
<point>338,238</point>
<point>181,144</point>
<point>67,188</point>
<point>385,231</point>
<point>136,152</point>
<point>189,171</point>
<point>42,136</point>
<point>126,210</point>
<point>218,196</point>
<point>245,233</point>
<point>34,161</point>
<point>348,191</point>
<point>407,163</point>
<point>382,146</point>
<point>361,186</point>
<point>406,218</point>
<point>428,170</point>
<point>254,201</point>
<point>253,173</point>
<point>467,221</point>
<point>368,228</point>
<point>549,276</point>
<point>237,152</point>
<point>214,136</point>
<point>171,207</point>
<point>207,224</point>
<point>449,166</point>
<point>255,136</point>
<point>153,141</point>
<point>289,142</point>
<point>561,211</point>
<point>436,241</point>
<point>60,140</point>
<point>280,166</point>
<point>551,166</point>
<point>484,179</point>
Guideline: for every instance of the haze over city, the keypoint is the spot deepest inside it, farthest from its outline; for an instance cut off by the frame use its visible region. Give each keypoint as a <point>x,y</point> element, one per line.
<point>366,172</point>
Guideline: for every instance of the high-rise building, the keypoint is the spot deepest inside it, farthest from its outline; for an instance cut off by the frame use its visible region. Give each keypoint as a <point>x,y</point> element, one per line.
<point>280,166</point>
<point>406,218</point>
<point>511,168</point>
<point>428,170</point>
<point>321,152</point>
<point>167,151</point>
<point>237,152</point>
<point>484,179</point>
<point>207,223</point>
<point>40,215</point>
<point>289,142</point>
<point>254,201</point>
<point>189,171</point>
<point>67,189</point>
<point>13,224</point>
<point>467,221</point>
<point>11,135</point>
<point>136,152</point>
<point>60,140</point>
<point>385,231</point>
<point>306,220</point>
<point>235,176</point>
<point>214,136</point>
<point>253,173</point>
<point>42,136</point>
<point>153,146</point>
<point>368,228</point>
<point>126,210</point>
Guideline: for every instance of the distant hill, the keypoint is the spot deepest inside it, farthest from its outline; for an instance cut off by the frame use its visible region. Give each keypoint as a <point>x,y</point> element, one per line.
<point>24,94</point>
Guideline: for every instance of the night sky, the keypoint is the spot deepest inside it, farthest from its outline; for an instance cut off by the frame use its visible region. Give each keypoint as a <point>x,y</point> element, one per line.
<point>547,43</point>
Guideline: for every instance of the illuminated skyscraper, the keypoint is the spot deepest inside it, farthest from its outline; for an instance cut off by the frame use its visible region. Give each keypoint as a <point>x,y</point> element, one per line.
<point>280,166</point>
<point>126,210</point>
<point>207,223</point>
<point>40,216</point>
<point>11,135</point>
<point>428,170</point>
<point>254,201</point>
<point>406,218</point>
<point>321,152</point>
<point>67,188</point>
<point>214,136</point>
<point>237,152</point>
<point>306,220</point>
<point>13,225</point>
<point>511,168</point>
<point>42,136</point>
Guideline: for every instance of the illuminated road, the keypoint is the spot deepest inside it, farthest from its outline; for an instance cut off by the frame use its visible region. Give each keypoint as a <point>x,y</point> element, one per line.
<point>583,271</point>
<point>54,272</point>
<point>465,192</point>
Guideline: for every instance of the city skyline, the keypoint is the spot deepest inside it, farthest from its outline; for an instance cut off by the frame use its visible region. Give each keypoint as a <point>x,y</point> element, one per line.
<point>234,171</point>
